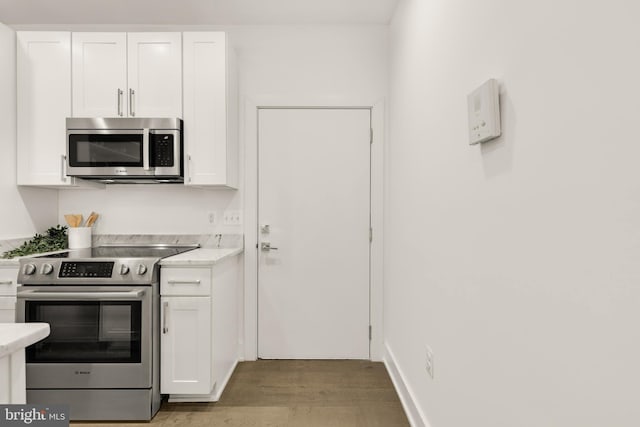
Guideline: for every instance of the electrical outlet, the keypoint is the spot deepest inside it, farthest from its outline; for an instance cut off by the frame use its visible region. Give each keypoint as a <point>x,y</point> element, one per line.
<point>429,362</point>
<point>212,217</point>
<point>232,217</point>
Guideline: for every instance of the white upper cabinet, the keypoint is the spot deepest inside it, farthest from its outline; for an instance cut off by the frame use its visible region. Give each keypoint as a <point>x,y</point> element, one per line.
<point>210,111</point>
<point>99,66</point>
<point>127,75</point>
<point>155,74</point>
<point>117,74</point>
<point>44,102</point>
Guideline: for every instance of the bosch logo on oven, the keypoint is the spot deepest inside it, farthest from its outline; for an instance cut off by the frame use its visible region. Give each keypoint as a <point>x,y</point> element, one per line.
<point>82,372</point>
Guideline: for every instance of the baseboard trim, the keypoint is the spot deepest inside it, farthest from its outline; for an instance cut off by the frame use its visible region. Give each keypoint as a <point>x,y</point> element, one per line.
<point>407,397</point>
<point>191,398</point>
<point>220,389</point>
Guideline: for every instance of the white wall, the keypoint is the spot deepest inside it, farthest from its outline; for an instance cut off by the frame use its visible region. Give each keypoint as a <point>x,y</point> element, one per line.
<point>516,261</point>
<point>23,211</point>
<point>332,63</point>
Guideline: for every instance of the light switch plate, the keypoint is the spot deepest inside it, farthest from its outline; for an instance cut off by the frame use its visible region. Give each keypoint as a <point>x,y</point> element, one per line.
<point>212,218</point>
<point>232,218</point>
<point>483,106</point>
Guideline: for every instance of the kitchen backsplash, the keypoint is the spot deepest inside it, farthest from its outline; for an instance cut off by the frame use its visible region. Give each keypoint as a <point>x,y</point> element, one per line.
<point>204,240</point>
<point>10,244</point>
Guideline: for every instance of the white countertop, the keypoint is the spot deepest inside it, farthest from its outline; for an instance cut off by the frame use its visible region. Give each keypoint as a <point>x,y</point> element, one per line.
<point>15,262</point>
<point>16,336</point>
<point>202,256</point>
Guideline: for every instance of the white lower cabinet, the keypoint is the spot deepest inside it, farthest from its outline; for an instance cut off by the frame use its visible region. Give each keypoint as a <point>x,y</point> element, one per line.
<point>199,332</point>
<point>8,288</point>
<point>8,309</point>
<point>186,345</point>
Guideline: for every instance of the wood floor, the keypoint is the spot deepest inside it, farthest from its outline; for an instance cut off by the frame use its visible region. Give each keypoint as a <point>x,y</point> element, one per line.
<point>305,393</point>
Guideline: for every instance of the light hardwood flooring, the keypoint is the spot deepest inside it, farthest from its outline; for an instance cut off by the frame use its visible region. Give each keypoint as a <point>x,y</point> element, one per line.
<point>304,393</point>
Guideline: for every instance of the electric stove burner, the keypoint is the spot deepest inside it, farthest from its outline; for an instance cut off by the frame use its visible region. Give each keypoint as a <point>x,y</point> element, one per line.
<point>122,252</point>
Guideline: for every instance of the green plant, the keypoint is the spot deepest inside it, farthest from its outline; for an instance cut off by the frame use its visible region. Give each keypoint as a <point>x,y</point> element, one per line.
<point>54,239</point>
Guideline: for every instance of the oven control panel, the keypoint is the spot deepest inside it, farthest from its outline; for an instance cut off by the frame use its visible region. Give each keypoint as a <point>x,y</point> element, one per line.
<point>102,269</point>
<point>49,271</point>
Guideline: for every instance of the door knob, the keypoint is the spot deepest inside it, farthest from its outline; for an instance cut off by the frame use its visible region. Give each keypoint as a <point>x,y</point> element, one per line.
<point>266,246</point>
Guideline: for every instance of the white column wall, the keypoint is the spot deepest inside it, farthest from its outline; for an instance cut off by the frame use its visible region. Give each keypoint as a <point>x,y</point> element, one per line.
<point>515,261</point>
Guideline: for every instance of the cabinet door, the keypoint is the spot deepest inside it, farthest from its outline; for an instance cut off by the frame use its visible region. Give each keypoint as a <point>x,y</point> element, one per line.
<point>210,110</point>
<point>43,104</point>
<point>7,309</point>
<point>155,74</point>
<point>205,108</point>
<point>185,355</point>
<point>99,65</point>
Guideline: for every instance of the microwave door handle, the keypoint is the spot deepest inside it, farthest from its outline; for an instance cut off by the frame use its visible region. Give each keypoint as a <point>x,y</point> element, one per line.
<point>145,149</point>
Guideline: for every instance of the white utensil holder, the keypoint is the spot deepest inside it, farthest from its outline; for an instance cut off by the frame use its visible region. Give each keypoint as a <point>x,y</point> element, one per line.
<point>79,237</point>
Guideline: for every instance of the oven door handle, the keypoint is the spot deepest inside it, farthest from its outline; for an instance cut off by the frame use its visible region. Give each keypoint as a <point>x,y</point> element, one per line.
<point>79,295</point>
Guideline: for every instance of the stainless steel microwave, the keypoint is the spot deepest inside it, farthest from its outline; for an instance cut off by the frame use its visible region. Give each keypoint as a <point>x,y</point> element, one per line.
<point>125,150</point>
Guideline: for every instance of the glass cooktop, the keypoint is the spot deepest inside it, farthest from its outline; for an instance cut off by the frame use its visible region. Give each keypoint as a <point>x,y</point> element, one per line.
<point>122,252</point>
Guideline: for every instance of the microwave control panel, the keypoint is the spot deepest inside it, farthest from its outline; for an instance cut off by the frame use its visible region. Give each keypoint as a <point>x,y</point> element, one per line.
<point>162,149</point>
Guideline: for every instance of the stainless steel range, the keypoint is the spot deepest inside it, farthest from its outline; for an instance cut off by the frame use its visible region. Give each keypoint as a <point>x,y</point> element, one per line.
<point>102,304</point>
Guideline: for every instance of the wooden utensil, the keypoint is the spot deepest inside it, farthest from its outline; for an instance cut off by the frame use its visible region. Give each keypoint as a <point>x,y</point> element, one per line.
<point>73,220</point>
<point>92,219</point>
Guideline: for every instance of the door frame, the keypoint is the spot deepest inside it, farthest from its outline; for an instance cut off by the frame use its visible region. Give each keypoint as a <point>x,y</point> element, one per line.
<point>249,135</point>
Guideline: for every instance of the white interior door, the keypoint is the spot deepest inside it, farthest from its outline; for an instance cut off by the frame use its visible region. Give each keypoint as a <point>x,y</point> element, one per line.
<point>314,195</point>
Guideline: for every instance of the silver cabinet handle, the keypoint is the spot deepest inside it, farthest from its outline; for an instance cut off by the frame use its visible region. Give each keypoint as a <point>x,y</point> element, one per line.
<point>190,166</point>
<point>132,94</point>
<point>62,295</point>
<point>6,282</point>
<point>145,149</point>
<point>63,167</point>
<point>266,246</point>
<point>120,102</point>
<point>165,313</point>
<point>183,282</point>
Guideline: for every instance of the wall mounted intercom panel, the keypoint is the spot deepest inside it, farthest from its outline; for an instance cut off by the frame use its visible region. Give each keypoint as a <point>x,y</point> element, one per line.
<point>484,112</point>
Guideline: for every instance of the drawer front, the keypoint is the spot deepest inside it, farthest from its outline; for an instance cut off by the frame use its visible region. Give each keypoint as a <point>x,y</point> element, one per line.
<point>185,281</point>
<point>8,278</point>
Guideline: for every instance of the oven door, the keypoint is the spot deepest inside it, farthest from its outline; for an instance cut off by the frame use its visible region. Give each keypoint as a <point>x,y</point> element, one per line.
<point>101,337</point>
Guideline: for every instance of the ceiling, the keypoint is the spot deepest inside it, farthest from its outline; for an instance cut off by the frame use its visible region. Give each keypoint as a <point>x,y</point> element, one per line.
<point>196,12</point>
